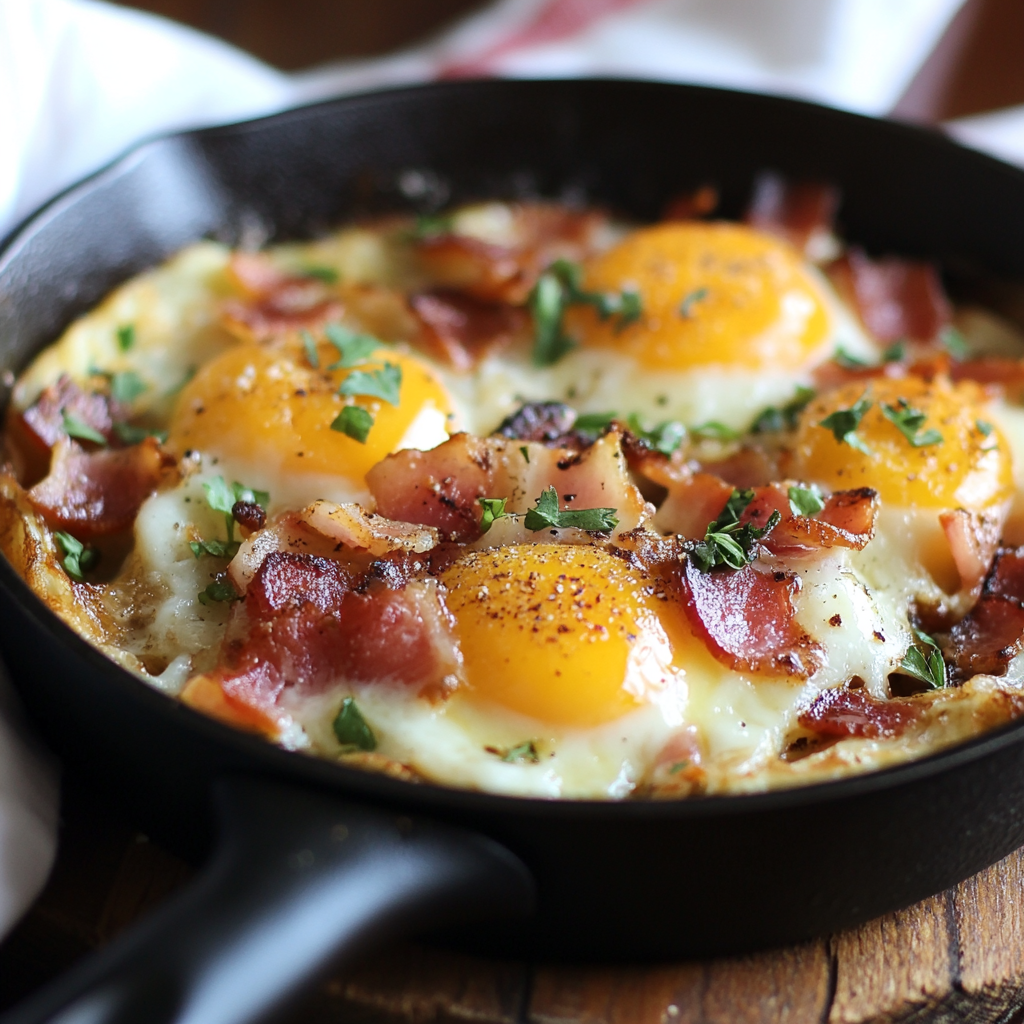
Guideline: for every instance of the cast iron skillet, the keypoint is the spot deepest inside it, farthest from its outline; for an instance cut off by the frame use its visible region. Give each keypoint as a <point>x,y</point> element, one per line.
<point>314,860</point>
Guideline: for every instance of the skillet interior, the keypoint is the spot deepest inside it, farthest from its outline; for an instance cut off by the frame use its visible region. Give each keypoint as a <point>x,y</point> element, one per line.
<point>616,880</point>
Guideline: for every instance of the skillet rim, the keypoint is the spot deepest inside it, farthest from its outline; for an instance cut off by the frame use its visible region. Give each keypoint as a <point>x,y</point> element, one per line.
<point>427,795</point>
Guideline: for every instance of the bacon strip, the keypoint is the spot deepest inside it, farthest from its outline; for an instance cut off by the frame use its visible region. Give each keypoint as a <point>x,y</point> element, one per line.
<point>973,539</point>
<point>846,521</point>
<point>746,617</point>
<point>992,634</point>
<point>844,712</point>
<point>93,494</point>
<point>460,330</point>
<point>801,212</point>
<point>895,298</point>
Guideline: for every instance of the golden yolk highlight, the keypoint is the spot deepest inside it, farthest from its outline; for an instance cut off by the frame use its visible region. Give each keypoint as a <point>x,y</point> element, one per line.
<point>566,634</point>
<point>712,294</point>
<point>256,404</point>
<point>971,467</point>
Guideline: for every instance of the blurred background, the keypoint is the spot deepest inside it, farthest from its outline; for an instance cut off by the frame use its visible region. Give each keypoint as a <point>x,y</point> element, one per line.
<point>978,65</point>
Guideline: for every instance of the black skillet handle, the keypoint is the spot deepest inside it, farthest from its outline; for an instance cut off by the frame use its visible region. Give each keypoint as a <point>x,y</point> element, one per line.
<point>300,880</point>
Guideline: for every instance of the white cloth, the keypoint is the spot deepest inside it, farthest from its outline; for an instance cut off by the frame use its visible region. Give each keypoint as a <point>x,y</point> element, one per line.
<point>81,80</point>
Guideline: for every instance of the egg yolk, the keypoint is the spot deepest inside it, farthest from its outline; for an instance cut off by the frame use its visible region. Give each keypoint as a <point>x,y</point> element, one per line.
<point>966,463</point>
<point>569,635</point>
<point>256,404</point>
<point>711,294</point>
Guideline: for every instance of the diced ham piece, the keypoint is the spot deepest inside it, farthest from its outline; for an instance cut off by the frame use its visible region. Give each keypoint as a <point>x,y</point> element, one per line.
<point>44,420</point>
<point>895,298</point>
<point>460,330</point>
<point>92,494</point>
<point>992,633</point>
<point>747,619</point>
<point>306,630</point>
<point>973,538</point>
<point>801,212</point>
<point>844,712</point>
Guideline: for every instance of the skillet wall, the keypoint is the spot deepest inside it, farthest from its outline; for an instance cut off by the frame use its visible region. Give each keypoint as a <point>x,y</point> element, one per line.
<point>638,880</point>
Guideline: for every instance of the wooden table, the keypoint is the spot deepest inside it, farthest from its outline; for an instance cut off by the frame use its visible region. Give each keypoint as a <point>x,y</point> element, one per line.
<point>958,956</point>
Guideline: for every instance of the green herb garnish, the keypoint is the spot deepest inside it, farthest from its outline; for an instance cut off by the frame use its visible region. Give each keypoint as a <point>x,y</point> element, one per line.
<point>666,437</point>
<point>221,498</point>
<point>353,347</point>
<point>844,422</point>
<point>547,514</point>
<point>908,422</point>
<point>895,352</point>
<point>773,420</point>
<point>691,300</point>
<point>924,661</point>
<point>805,501</point>
<point>126,386</point>
<point>326,274</point>
<point>384,383</point>
<point>216,548</point>
<point>848,361</point>
<point>74,427</point>
<point>430,225</point>
<point>354,421</point>
<point>525,452</point>
<point>726,542</point>
<point>129,434</point>
<point>125,337</point>
<point>954,342</point>
<point>352,729</point>
<point>522,752</point>
<point>712,430</point>
<point>594,423</point>
<point>78,559</point>
<point>984,427</point>
<point>309,344</point>
<point>493,508</point>
<point>219,591</point>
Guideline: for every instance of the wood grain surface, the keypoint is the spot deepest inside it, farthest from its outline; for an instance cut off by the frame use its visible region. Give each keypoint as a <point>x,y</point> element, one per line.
<point>958,956</point>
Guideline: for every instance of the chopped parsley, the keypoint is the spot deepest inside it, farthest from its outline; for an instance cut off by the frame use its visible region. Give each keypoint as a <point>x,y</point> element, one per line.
<point>493,508</point>
<point>954,342</point>
<point>848,361</point>
<point>924,661</point>
<point>384,383</point>
<point>129,434</point>
<point>219,591</point>
<point>309,344</point>
<point>691,300</point>
<point>351,729</point>
<point>124,386</point>
<point>326,274</point>
<point>908,422</point>
<point>74,427</point>
<point>984,427</point>
<point>222,498</point>
<point>547,514</point>
<point>712,430</point>
<point>216,548</point>
<point>895,352</point>
<point>125,337</point>
<point>844,422</point>
<point>78,558</point>
<point>774,420</point>
<point>666,437</point>
<point>726,542</point>
<point>559,287</point>
<point>353,421</point>
<point>594,422</point>
<point>805,501</point>
<point>430,225</point>
<point>522,752</point>
<point>353,347</point>
<point>525,452</point>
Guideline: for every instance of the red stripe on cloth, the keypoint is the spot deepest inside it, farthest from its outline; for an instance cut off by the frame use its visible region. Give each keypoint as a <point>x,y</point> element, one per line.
<point>556,20</point>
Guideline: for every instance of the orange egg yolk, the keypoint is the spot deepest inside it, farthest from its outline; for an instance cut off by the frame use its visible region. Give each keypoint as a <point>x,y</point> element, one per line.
<point>261,405</point>
<point>566,634</point>
<point>711,294</point>
<point>968,465</point>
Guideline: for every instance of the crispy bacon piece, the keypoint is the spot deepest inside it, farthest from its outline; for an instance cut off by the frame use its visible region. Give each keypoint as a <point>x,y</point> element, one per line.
<point>543,232</point>
<point>547,423</point>
<point>973,538</point>
<point>274,303</point>
<point>460,330</point>
<point>307,629</point>
<point>436,488</point>
<point>746,617</point>
<point>354,527</point>
<point>894,298</point>
<point>992,633</point>
<point>801,212</point>
<point>999,374</point>
<point>692,504</point>
<point>844,712</point>
<point>93,494</point>
<point>846,521</point>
